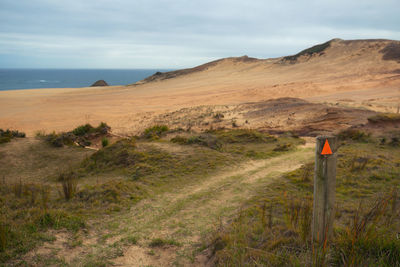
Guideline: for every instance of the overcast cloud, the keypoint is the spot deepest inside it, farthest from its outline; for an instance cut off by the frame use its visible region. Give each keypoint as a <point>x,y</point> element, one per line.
<point>176,34</point>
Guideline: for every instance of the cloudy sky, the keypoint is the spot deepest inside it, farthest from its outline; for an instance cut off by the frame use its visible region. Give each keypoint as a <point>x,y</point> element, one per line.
<point>177,33</point>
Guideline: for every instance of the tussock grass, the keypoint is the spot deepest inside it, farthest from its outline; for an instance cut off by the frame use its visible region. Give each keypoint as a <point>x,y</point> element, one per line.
<point>69,184</point>
<point>104,142</point>
<point>274,229</point>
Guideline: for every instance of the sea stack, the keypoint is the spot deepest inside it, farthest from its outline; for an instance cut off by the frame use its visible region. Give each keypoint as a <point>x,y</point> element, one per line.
<point>100,83</point>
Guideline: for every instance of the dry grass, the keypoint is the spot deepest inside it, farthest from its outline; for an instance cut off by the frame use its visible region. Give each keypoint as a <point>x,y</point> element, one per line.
<point>366,223</point>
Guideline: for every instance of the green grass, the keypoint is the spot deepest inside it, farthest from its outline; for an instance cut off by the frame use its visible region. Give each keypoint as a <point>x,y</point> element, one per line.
<point>87,129</point>
<point>273,229</point>
<point>155,132</point>
<point>309,51</point>
<point>134,170</point>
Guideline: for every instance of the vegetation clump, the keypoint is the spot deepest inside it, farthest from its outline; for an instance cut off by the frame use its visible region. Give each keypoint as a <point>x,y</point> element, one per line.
<point>207,140</point>
<point>354,134</point>
<point>317,49</point>
<point>216,138</point>
<point>155,132</point>
<point>81,135</point>
<point>243,136</point>
<point>7,135</point>
<point>159,242</point>
<point>104,142</point>
<point>384,117</point>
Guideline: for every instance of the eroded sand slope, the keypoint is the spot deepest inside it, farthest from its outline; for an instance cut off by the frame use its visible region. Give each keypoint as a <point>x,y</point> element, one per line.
<point>362,73</point>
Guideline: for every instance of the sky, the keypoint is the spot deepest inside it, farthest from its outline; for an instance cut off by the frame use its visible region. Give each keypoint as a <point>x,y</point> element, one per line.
<point>171,34</point>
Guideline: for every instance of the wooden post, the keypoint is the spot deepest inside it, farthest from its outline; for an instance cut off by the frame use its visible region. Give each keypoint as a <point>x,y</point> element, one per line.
<point>324,190</point>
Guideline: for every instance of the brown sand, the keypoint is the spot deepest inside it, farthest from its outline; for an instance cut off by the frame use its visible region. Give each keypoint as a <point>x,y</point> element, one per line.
<point>349,73</point>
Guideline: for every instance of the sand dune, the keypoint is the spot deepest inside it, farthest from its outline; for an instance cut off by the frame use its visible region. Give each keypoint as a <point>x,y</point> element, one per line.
<point>357,73</point>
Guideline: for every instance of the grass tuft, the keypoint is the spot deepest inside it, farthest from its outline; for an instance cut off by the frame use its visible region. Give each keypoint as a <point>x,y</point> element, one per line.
<point>69,184</point>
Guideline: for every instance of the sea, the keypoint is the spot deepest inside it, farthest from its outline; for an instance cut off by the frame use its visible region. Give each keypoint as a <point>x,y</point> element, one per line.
<point>17,79</point>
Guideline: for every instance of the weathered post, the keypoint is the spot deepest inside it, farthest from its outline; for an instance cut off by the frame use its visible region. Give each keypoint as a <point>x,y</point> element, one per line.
<point>324,190</point>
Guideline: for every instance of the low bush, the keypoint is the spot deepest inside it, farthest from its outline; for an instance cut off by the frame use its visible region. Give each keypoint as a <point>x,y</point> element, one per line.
<point>83,129</point>
<point>80,135</point>
<point>384,117</point>
<point>354,134</point>
<point>155,132</point>
<point>7,135</point>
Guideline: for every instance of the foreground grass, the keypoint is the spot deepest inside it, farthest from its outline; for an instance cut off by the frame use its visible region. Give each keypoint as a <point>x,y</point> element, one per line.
<point>274,228</point>
<point>110,181</point>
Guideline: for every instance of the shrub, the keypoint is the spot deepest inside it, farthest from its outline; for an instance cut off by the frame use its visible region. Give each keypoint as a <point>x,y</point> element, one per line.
<point>155,132</point>
<point>218,116</point>
<point>384,117</point>
<point>309,51</point>
<point>7,135</point>
<point>103,128</point>
<point>59,140</point>
<point>104,142</point>
<point>354,134</point>
<point>83,129</point>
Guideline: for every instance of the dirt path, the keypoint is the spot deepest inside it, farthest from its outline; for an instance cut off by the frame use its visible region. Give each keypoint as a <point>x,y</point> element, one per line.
<point>187,215</point>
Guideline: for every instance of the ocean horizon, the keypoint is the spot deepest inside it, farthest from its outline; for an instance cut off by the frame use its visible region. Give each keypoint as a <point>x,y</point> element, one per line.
<point>20,79</point>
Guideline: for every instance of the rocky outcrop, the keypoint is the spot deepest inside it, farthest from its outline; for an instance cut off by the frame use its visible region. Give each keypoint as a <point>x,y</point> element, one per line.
<point>100,83</point>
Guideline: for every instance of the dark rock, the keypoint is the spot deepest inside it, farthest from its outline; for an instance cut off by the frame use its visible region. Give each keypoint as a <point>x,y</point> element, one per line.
<point>100,83</point>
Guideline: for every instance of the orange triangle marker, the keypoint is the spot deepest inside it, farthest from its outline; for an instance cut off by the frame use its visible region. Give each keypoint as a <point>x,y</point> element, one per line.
<point>326,150</point>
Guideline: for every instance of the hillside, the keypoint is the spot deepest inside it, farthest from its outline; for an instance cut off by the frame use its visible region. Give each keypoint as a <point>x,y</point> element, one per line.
<point>207,166</point>
<point>360,73</point>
